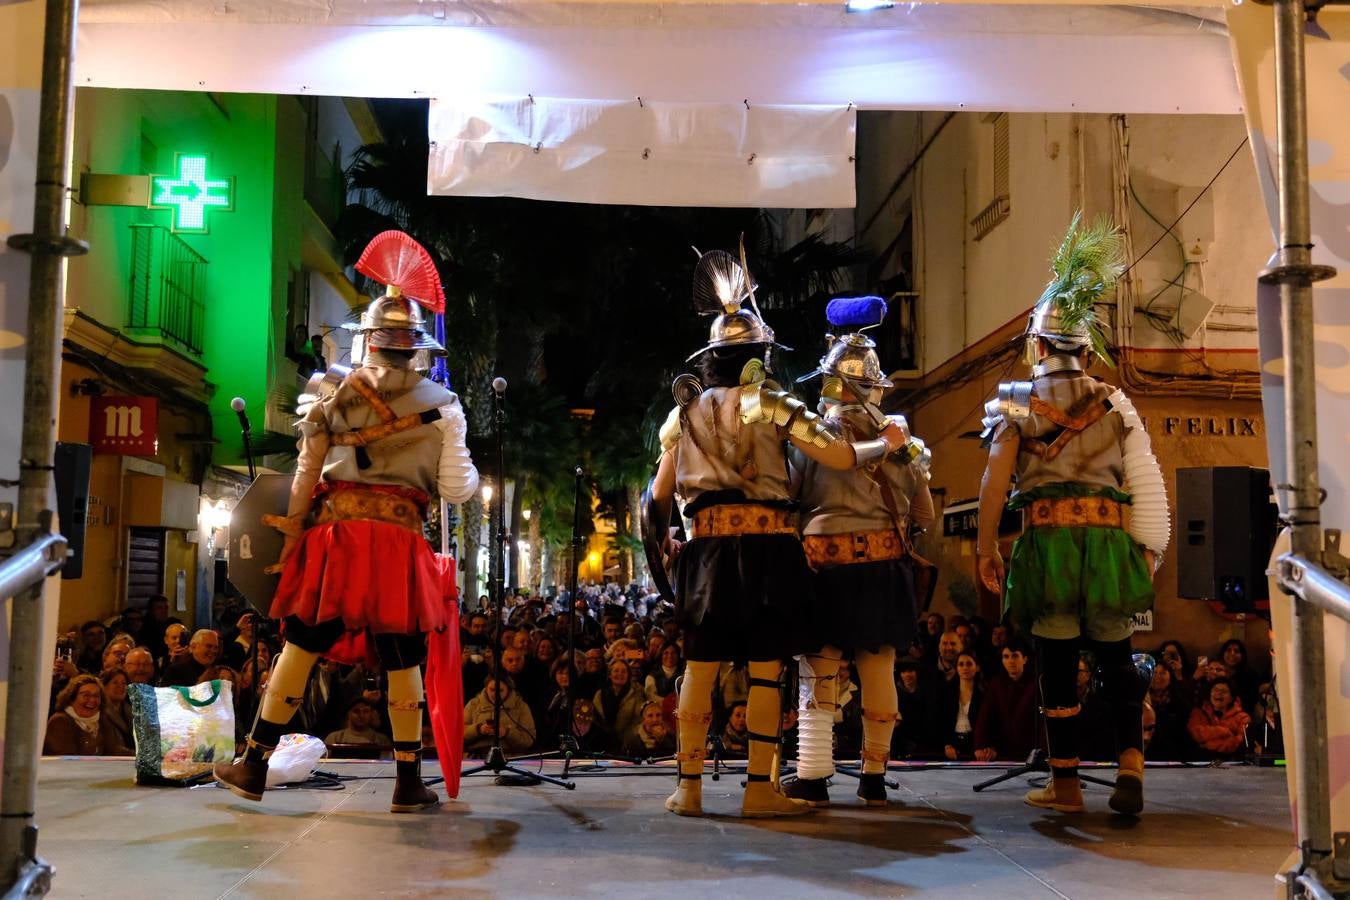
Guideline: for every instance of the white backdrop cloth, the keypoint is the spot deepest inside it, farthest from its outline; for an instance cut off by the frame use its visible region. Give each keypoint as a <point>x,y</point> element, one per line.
<point>648,153</point>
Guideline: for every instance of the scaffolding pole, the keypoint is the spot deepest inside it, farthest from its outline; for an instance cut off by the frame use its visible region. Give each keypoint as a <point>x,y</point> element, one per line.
<point>22,873</point>
<point>1295,274</point>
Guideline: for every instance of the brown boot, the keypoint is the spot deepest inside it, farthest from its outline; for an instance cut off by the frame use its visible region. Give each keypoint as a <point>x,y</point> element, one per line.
<point>1128,797</point>
<point>247,778</point>
<point>410,793</point>
<point>1064,792</point>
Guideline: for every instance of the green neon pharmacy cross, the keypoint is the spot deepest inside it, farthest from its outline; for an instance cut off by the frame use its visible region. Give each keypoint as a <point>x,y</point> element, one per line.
<point>189,195</point>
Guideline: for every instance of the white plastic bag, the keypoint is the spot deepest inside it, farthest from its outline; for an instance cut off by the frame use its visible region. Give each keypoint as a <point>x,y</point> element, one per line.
<point>294,758</point>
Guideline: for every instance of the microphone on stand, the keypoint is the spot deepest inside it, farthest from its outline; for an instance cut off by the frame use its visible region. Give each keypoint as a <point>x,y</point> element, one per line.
<point>238,405</point>
<point>499,385</point>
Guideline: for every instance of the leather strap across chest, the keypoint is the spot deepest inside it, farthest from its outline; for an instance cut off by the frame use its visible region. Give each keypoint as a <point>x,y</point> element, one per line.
<point>390,423</point>
<point>1070,426</point>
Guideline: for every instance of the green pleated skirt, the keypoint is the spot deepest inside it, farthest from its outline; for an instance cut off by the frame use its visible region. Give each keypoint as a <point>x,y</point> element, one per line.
<point>1090,573</point>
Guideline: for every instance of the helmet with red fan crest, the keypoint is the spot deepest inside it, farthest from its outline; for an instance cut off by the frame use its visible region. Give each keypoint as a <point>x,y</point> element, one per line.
<point>395,321</point>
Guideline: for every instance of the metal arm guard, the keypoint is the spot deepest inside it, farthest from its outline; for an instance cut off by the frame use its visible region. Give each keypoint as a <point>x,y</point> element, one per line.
<point>1013,404</point>
<point>1150,521</point>
<point>764,402</point>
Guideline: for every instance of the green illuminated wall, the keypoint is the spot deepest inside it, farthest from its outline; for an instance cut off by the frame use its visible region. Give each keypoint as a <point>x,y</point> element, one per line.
<point>139,132</point>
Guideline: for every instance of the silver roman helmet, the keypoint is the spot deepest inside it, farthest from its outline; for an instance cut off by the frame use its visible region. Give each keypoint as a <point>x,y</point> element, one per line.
<point>1086,268</point>
<point>852,355</point>
<point>722,285</point>
<point>395,321</point>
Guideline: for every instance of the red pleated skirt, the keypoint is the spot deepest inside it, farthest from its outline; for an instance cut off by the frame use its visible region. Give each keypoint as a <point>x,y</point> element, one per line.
<point>371,575</point>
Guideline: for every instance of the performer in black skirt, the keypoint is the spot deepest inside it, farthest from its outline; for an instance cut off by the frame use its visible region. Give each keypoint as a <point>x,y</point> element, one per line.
<point>742,585</point>
<point>855,527</point>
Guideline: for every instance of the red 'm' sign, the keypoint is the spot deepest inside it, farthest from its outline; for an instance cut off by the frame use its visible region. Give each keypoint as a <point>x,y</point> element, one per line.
<point>124,425</point>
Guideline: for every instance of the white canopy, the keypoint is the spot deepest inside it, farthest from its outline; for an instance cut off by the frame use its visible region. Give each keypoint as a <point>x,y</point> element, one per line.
<point>690,64</point>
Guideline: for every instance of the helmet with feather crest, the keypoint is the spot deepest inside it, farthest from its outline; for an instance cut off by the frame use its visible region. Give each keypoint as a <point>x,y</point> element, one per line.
<point>395,320</point>
<point>1086,266</point>
<point>722,286</point>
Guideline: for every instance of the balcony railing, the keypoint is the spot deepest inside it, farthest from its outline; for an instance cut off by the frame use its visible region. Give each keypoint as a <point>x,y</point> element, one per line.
<point>168,287</point>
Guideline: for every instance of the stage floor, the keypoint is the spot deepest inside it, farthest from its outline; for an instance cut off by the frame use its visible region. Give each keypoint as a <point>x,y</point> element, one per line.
<point>1205,833</point>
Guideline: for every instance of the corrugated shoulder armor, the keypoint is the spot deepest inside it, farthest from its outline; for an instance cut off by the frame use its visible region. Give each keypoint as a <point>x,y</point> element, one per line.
<point>1012,404</point>
<point>766,401</point>
<point>686,389</point>
<point>320,387</point>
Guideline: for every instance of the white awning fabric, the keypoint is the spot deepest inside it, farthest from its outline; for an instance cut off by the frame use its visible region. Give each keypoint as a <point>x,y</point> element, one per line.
<point>798,66</point>
<point>639,152</point>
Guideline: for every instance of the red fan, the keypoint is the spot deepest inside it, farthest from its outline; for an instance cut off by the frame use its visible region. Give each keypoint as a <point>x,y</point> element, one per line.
<point>394,259</point>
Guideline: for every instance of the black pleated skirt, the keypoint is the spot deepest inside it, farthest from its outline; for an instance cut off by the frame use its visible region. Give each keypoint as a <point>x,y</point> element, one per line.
<point>866,606</point>
<point>746,597</point>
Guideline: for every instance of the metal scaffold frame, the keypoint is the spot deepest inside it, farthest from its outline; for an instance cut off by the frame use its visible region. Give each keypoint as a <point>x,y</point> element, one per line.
<point>38,552</point>
<point>1310,572</point>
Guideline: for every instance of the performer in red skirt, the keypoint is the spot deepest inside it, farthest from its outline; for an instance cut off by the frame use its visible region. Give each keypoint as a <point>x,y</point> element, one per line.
<point>357,574</point>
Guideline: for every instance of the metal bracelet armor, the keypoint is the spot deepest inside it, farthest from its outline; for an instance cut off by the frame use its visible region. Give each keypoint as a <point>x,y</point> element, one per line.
<point>761,403</point>
<point>869,452</point>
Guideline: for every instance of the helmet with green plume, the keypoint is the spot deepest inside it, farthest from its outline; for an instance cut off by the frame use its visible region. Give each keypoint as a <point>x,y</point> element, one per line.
<point>1087,266</point>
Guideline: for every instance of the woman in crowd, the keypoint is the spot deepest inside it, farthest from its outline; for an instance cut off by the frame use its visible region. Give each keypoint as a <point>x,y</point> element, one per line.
<point>1173,655</point>
<point>651,738</point>
<point>735,737</point>
<point>1172,711</point>
<point>910,738</point>
<point>959,708</point>
<point>588,734</point>
<point>116,713</point>
<point>661,682</point>
<point>1219,726</point>
<point>516,724</point>
<point>618,704</point>
<point>546,651</point>
<point>76,729</point>
<point>1246,681</point>
<point>557,715</point>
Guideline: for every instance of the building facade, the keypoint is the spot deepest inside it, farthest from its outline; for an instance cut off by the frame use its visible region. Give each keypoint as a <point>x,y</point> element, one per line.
<point>962,212</point>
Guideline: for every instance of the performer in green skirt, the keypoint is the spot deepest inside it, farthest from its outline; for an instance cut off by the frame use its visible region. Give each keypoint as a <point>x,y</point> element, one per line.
<point>1095,510</point>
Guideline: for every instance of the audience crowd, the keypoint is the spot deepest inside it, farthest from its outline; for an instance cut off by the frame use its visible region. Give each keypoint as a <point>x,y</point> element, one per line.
<point>607,686</point>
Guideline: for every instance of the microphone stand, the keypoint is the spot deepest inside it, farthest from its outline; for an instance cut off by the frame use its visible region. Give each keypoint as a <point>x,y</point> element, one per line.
<point>247,432</point>
<point>496,762</point>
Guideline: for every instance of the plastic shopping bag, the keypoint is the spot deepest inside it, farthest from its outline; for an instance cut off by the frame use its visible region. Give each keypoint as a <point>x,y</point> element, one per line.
<point>181,732</point>
<point>294,758</point>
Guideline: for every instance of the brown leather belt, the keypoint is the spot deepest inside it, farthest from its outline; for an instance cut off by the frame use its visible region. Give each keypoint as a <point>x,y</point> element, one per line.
<point>729,519</point>
<point>850,547</point>
<point>373,505</point>
<point>1075,512</point>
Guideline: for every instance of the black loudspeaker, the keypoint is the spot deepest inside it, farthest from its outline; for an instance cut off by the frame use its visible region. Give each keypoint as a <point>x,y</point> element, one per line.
<point>1226,521</point>
<point>72,501</point>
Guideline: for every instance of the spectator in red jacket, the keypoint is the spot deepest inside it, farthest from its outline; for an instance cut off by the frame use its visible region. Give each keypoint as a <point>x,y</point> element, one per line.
<point>1219,726</point>
<point>1008,726</point>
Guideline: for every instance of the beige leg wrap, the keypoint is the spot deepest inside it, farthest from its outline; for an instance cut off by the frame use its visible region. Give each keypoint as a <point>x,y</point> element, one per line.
<point>877,679</point>
<point>286,686</point>
<point>405,704</point>
<point>694,715</point>
<point>763,716</point>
